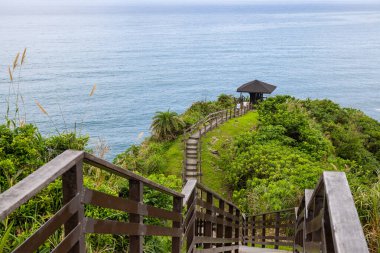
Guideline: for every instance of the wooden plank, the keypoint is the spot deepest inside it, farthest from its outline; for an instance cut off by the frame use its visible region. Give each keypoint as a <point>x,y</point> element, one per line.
<point>188,189</point>
<point>112,202</point>
<point>69,241</point>
<point>72,185</point>
<point>220,227</point>
<point>24,190</point>
<point>177,208</point>
<point>132,229</point>
<point>205,239</point>
<point>215,209</point>
<point>48,228</point>
<point>112,168</point>
<point>215,250</point>
<point>204,188</point>
<point>208,224</point>
<point>136,191</point>
<point>346,229</point>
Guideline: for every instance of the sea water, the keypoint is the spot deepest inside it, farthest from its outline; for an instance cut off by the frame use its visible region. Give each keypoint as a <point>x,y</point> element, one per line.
<point>148,59</point>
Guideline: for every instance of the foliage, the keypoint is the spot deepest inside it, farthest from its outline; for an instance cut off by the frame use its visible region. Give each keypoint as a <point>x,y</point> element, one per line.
<point>166,125</point>
<point>213,144</point>
<point>294,142</point>
<point>201,109</point>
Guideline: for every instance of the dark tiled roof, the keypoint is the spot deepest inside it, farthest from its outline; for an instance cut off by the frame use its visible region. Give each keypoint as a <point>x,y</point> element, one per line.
<point>257,86</point>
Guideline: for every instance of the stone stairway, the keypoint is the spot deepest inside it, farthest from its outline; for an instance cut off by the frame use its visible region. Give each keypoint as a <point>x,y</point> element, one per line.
<point>192,156</point>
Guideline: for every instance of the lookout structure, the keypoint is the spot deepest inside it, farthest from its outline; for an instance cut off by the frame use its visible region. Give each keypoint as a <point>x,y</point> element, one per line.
<point>256,90</point>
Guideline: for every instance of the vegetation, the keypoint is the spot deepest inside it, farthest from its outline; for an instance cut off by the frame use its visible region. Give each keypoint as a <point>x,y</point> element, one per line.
<point>213,144</point>
<point>166,125</point>
<point>295,140</point>
<point>163,153</point>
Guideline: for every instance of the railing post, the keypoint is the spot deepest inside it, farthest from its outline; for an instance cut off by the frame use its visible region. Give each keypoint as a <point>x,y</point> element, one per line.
<point>246,231</point>
<point>237,228</point>
<point>208,224</point>
<point>220,227</point>
<point>263,230</point>
<point>176,241</point>
<point>253,239</point>
<point>277,230</point>
<point>228,228</point>
<point>72,185</point>
<point>136,194</point>
<point>191,226</point>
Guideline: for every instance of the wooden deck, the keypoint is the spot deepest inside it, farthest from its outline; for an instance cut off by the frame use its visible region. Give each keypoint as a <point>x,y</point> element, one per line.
<point>244,249</point>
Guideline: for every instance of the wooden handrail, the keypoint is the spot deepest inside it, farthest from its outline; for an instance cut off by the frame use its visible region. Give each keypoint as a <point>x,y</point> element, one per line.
<point>270,228</point>
<point>327,220</point>
<point>17,195</point>
<point>210,220</point>
<point>69,166</point>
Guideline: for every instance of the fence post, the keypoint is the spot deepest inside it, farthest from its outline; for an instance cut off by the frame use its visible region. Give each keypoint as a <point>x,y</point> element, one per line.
<point>208,224</point>
<point>72,185</point>
<point>176,241</point>
<point>228,228</point>
<point>237,228</point>
<point>253,231</point>
<point>263,230</point>
<point>219,227</point>
<point>136,194</point>
<point>277,230</point>
<point>191,226</point>
<point>246,231</point>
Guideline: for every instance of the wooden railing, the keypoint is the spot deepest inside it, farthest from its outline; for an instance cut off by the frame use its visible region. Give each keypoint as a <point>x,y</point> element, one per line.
<point>327,220</point>
<point>275,229</point>
<point>205,125</point>
<point>219,117</point>
<point>69,166</point>
<point>211,224</point>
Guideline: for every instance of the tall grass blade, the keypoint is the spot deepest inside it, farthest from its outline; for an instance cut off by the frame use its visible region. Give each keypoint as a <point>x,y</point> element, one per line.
<point>10,74</point>
<point>23,56</point>
<point>41,108</point>
<point>4,239</point>
<point>93,90</point>
<point>15,61</point>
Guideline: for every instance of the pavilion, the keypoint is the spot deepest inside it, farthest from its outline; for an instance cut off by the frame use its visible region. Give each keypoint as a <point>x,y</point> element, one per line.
<point>256,90</point>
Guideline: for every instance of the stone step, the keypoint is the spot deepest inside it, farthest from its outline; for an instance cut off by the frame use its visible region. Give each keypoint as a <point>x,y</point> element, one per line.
<point>192,141</point>
<point>193,162</point>
<point>192,156</point>
<point>192,148</point>
<point>193,174</point>
<point>191,151</point>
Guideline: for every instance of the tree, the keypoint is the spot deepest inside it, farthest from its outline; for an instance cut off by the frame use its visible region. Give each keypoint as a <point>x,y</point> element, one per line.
<point>166,125</point>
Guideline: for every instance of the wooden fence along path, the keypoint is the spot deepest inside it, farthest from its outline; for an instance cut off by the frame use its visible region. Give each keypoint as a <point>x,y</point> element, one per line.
<point>192,159</point>
<point>201,220</point>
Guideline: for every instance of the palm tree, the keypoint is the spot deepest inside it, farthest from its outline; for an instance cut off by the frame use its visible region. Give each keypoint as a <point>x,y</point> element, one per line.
<point>166,125</point>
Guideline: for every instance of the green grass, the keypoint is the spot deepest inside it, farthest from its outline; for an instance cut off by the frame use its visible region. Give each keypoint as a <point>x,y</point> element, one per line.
<point>173,157</point>
<point>215,140</point>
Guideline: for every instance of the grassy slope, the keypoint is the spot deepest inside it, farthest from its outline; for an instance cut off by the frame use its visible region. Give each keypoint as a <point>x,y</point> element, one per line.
<point>214,141</point>
<point>173,157</point>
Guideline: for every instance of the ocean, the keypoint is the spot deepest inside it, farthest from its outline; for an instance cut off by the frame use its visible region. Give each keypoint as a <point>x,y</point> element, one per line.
<point>148,59</point>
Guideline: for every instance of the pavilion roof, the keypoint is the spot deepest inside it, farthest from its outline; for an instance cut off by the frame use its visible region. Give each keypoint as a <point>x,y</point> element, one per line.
<point>257,86</point>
